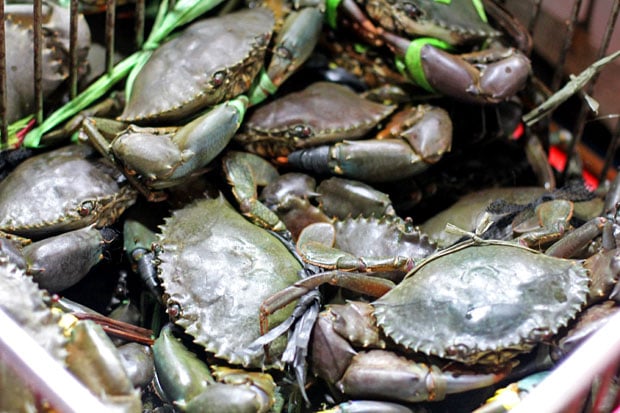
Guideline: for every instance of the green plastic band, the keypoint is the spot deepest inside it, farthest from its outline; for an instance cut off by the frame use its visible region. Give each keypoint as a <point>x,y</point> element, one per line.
<point>240,103</point>
<point>331,12</point>
<point>480,9</point>
<point>360,48</point>
<point>413,61</point>
<point>262,88</point>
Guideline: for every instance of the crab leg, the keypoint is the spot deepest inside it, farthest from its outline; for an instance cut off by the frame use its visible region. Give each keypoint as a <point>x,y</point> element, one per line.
<point>315,245</point>
<point>354,281</point>
<point>245,172</point>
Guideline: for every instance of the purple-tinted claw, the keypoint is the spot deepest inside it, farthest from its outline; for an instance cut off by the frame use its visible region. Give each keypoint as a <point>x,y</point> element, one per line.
<point>480,83</point>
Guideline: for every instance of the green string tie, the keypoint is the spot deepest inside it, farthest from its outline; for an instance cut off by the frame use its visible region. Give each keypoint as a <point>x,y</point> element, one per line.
<point>413,60</point>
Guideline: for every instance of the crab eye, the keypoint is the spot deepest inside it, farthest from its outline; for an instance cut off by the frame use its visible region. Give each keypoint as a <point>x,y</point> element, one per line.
<point>412,11</point>
<point>218,79</point>
<point>284,53</point>
<point>174,310</point>
<point>86,208</point>
<point>301,131</point>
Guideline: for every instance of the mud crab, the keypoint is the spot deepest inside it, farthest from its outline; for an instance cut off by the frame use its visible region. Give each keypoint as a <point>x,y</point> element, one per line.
<point>439,311</point>
<point>192,241</point>
<point>59,199</point>
<point>325,113</point>
<point>206,295</point>
<point>232,55</point>
<point>386,246</point>
<point>490,75</point>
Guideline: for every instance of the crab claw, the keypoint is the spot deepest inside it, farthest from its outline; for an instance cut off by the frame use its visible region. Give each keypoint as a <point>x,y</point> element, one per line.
<point>491,82</point>
<point>401,155</point>
<point>356,373</point>
<point>189,383</point>
<point>295,43</point>
<point>158,158</point>
<point>488,76</point>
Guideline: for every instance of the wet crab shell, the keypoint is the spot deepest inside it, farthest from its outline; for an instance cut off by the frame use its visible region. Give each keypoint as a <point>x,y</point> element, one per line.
<point>61,190</point>
<point>482,303</point>
<point>23,300</point>
<point>216,269</point>
<point>382,237</point>
<point>367,238</point>
<point>323,112</point>
<point>454,22</point>
<point>211,61</point>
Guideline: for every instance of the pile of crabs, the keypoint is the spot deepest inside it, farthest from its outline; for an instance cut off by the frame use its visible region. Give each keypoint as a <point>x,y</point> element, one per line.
<point>311,207</point>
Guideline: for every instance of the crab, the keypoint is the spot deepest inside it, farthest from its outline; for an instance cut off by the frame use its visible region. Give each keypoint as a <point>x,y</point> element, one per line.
<point>232,54</point>
<point>385,246</point>
<point>470,309</point>
<point>211,255</point>
<point>62,200</point>
<point>490,75</point>
<point>300,124</point>
<point>215,268</point>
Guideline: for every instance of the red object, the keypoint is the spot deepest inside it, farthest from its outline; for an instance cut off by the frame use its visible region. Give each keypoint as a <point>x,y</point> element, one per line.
<point>22,133</point>
<point>557,159</point>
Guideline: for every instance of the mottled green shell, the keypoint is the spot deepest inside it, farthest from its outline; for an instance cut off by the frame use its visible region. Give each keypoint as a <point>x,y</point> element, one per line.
<point>382,237</point>
<point>483,304</point>
<point>218,267</point>
<point>61,190</point>
<point>212,61</point>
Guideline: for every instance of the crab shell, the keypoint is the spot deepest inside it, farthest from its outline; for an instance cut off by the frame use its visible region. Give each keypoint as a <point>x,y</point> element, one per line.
<point>212,61</point>
<point>482,304</point>
<point>218,268</point>
<point>61,190</point>
<point>382,237</point>
<point>324,112</point>
<point>455,22</point>
<point>372,240</point>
